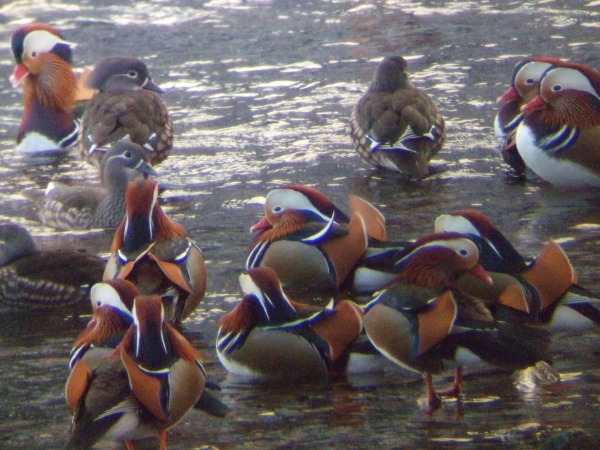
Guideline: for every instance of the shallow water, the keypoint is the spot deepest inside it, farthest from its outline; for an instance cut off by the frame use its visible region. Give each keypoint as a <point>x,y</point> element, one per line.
<point>260,93</point>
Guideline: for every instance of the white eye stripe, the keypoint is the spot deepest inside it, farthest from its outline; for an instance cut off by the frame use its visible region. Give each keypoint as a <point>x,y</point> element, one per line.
<point>532,71</point>
<point>107,295</point>
<point>462,247</point>
<point>290,199</point>
<point>457,224</point>
<point>566,78</point>
<point>40,41</point>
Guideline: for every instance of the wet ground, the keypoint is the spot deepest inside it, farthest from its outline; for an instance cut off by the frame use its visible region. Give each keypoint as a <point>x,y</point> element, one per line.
<point>260,93</point>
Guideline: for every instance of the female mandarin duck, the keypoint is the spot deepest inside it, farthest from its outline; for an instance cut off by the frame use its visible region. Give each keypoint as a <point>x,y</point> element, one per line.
<point>541,290</point>
<point>81,207</point>
<point>558,137</point>
<point>155,253</point>
<point>267,336</point>
<point>50,89</point>
<point>396,126</point>
<point>525,83</point>
<point>302,225</point>
<point>423,323</point>
<point>126,105</point>
<point>32,279</point>
<point>142,388</point>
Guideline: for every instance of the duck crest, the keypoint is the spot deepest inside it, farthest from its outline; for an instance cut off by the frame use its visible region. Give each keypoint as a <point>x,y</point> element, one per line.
<point>262,283</point>
<point>154,342</point>
<point>481,222</point>
<point>496,252</point>
<point>264,304</point>
<point>151,348</point>
<point>319,200</point>
<point>17,40</point>
<point>137,228</point>
<point>111,301</point>
<point>145,220</point>
<point>437,259</point>
<point>592,75</point>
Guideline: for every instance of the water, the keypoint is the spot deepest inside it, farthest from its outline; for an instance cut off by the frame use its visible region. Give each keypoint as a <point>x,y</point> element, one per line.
<point>260,93</point>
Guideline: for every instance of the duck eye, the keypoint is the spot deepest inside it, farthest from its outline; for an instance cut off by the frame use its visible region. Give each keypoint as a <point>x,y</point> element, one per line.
<point>556,87</point>
<point>132,74</point>
<point>529,81</point>
<point>127,154</point>
<point>33,54</point>
<point>99,303</point>
<point>277,209</point>
<point>463,252</point>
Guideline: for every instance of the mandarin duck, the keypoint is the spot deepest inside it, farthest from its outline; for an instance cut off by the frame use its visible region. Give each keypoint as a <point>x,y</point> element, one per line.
<point>84,206</point>
<point>142,388</point>
<point>558,137</point>
<point>33,279</point>
<point>377,267</point>
<point>308,241</point>
<point>268,336</point>
<point>112,303</point>
<point>50,89</point>
<point>422,322</point>
<point>542,290</point>
<point>126,105</point>
<point>524,86</point>
<point>156,253</point>
<point>396,126</point>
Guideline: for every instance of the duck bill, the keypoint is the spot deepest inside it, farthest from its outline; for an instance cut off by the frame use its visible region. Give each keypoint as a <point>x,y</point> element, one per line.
<point>146,168</point>
<point>536,103</point>
<point>19,74</point>
<point>262,224</point>
<point>510,94</point>
<point>150,86</point>
<point>480,272</point>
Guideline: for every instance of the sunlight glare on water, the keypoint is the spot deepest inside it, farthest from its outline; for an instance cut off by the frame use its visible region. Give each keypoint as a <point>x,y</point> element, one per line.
<point>260,92</point>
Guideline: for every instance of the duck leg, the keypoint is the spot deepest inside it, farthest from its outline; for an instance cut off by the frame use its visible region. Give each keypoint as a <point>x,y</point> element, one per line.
<point>456,388</point>
<point>433,399</point>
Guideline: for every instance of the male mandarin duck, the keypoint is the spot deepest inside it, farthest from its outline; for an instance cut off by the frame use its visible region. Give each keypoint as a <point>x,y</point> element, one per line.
<point>558,137</point>
<point>111,301</point>
<point>543,289</point>
<point>308,241</point>
<point>85,206</point>
<point>525,83</point>
<point>112,304</point>
<point>33,279</point>
<point>268,336</point>
<point>422,322</point>
<point>126,105</point>
<point>156,253</point>
<point>378,266</point>
<point>142,388</point>
<point>50,89</point>
<point>396,126</point>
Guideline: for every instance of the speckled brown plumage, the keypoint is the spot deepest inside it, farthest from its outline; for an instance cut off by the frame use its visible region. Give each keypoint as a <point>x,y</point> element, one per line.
<point>32,279</point>
<point>126,106</point>
<point>396,126</point>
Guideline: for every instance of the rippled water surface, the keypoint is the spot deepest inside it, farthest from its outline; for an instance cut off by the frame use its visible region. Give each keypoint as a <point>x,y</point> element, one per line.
<point>260,93</point>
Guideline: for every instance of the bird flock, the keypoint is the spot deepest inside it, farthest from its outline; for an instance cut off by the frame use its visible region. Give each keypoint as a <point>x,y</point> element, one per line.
<point>457,297</point>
